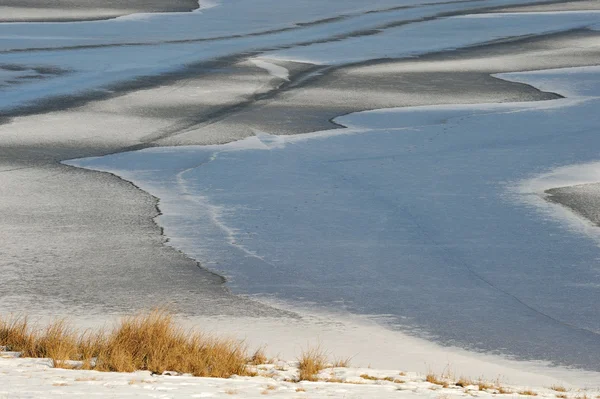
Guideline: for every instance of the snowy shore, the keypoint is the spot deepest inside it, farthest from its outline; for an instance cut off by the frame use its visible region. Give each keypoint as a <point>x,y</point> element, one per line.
<point>37,379</point>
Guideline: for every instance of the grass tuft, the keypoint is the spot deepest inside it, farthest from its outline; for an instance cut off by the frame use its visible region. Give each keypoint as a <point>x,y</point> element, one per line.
<point>369,377</point>
<point>343,362</point>
<point>434,379</point>
<point>527,392</point>
<point>259,357</point>
<point>484,385</point>
<point>311,361</point>
<point>504,391</point>
<point>464,382</point>
<point>16,335</point>
<point>558,388</point>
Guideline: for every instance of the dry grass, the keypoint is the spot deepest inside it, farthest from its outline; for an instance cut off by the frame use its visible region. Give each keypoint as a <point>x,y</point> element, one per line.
<point>483,385</point>
<point>147,341</point>
<point>300,389</point>
<point>259,357</point>
<point>311,361</point>
<point>434,379</point>
<point>344,362</point>
<point>561,396</point>
<point>464,382</point>
<point>504,391</point>
<point>558,388</point>
<point>369,377</point>
<point>527,392</point>
<point>86,379</point>
<point>15,334</point>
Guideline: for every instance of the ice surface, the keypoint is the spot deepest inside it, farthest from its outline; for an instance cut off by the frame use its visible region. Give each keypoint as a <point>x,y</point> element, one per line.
<point>411,212</point>
<point>225,18</point>
<point>438,35</point>
<point>100,54</point>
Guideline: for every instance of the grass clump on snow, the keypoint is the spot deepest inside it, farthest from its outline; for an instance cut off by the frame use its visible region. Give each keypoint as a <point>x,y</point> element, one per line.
<point>310,363</point>
<point>432,378</point>
<point>147,341</point>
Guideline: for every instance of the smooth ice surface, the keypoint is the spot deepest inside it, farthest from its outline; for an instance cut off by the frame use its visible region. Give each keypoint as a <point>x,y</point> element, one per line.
<point>413,212</point>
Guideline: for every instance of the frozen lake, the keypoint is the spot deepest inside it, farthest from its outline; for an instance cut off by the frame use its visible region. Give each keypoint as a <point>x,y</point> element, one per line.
<point>416,213</point>
<point>425,208</point>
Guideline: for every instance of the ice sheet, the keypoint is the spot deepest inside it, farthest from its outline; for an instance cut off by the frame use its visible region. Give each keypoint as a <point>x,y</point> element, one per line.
<point>225,18</point>
<point>438,35</point>
<point>122,50</point>
<point>410,213</point>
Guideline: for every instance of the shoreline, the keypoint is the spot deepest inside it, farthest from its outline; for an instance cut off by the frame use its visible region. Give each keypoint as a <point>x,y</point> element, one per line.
<point>343,336</point>
<point>514,369</point>
<point>582,199</point>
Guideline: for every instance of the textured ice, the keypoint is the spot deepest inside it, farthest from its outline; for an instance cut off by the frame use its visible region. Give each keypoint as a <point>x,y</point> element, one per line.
<point>437,35</point>
<point>410,212</point>
<point>101,54</point>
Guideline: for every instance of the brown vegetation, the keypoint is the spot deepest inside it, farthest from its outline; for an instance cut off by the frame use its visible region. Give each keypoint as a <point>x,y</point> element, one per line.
<point>344,362</point>
<point>311,361</point>
<point>369,377</point>
<point>259,357</point>
<point>504,391</point>
<point>434,379</point>
<point>463,382</point>
<point>527,392</point>
<point>148,341</point>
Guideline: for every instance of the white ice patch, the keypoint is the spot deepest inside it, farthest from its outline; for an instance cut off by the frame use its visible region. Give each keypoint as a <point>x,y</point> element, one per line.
<point>273,69</point>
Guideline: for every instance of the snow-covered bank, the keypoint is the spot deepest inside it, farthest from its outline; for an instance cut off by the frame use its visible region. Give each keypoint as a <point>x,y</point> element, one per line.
<point>404,213</point>
<point>35,378</point>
